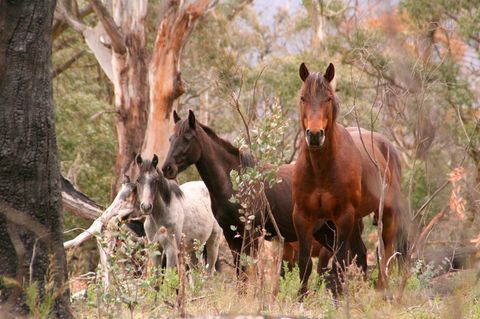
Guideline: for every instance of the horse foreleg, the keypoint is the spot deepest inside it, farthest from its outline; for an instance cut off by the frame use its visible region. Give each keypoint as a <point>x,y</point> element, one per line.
<point>323,259</point>
<point>304,229</point>
<point>169,244</point>
<point>325,235</point>
<point>344,228</point>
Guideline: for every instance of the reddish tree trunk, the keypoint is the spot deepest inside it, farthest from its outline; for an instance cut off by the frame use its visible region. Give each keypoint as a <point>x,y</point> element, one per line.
<point>166,85</point>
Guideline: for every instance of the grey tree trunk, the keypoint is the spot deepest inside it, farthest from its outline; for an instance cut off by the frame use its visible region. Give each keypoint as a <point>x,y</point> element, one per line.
<point>31,223</point>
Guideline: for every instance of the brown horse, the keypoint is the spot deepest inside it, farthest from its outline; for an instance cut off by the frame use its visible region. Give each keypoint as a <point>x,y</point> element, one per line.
<point>214,158</point>
<point>337,176</point>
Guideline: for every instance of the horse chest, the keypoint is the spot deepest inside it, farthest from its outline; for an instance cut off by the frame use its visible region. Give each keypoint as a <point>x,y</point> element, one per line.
<point>321,203</point>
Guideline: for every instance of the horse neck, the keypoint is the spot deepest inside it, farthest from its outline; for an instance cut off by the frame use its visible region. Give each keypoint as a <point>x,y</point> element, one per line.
<point>320,160</point>
<point>160,210</point>
<point>215,165</point>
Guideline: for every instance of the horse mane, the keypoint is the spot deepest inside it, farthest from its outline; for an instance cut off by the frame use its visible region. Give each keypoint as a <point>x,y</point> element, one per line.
<point>167,188</point>
<point>246,159</point>
<point>226,144</point>
<point>317,82</point>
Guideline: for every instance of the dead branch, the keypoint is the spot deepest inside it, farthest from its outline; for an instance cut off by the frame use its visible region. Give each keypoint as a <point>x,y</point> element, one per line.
<point>23,219</point>
<point>118,41</point>
<point>59,69</point>
<point>68,18</point>
<point>78,203</point>
<point>122,206</point>
<point>421,239</point>
<point>60,25</point>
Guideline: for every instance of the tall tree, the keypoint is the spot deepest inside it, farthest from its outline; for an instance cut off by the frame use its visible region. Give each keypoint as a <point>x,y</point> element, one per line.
<point>146,91</point>
<point>31,223</point>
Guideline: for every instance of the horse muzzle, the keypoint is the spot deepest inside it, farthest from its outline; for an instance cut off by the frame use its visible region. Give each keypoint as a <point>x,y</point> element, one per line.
<point>315,139</point>
<point>146,207</point>
<point>169,171</point>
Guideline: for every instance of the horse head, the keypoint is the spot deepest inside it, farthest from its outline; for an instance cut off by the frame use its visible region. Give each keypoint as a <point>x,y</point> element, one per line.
<point>318,105</point>
<point>185,148</point>
<point>147,182</point>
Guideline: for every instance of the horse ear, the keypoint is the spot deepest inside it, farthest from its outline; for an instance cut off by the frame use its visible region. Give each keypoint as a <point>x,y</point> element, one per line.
<point>329,73</point>
<point>191,119</point>
<point>176,118</point>
<point>303,71</point>
<point>155,160</point>
<point>139,159</point>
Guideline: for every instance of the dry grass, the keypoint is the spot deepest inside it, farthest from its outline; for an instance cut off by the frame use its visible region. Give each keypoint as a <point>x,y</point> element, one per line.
<point>453,295</point>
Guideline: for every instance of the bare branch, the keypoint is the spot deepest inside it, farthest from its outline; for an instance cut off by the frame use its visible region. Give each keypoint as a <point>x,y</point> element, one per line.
<point>122,206</point>
<point>60,25</point>
<point>66,16</point>
<point>23,219</point>
<point>78,203</point>
<point>118,41</point>
<point>59,69</point>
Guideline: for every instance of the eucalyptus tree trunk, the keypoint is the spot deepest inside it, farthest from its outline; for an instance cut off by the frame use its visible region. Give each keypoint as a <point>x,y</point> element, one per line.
<point>130,83</point>
<point>31,224</point>
<point>166,84</point>
<point>144,96</point>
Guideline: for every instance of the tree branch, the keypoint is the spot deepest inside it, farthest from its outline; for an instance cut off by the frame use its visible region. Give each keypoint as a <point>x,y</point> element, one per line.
<point>78,203</point>
<point>23,219</point>
<point>66,16</point>
<point>59,69</point>
<point>122,206</point>
<point>60,25</point>
<point>118,41</point>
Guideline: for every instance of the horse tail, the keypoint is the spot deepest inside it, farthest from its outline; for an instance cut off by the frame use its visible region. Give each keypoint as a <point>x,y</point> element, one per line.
<point>404,222</point>
<point>404,230</point>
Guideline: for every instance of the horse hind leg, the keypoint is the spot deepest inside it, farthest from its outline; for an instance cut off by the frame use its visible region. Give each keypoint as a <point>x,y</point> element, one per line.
<point>358,248</point>
<point>212,246</point>
<point>389,233</point>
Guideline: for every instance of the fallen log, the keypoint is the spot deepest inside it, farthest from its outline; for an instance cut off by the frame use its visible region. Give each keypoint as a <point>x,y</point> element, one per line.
<point>79,203</point>
<point>122,206</point>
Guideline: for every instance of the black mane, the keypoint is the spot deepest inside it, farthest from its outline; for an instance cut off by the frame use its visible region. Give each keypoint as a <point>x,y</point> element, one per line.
<point>246,159</point>
<point>165,187</point>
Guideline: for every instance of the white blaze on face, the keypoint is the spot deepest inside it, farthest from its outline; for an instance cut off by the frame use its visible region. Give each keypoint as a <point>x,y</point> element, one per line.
<point>147,195</point>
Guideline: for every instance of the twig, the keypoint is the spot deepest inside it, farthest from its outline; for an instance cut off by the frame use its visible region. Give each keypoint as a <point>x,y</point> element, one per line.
<point>22,219</point>
<point>422,208</point>
<point>59,69</point>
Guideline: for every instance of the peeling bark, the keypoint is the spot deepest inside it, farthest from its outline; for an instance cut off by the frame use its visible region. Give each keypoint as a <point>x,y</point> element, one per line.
<point>165,78</point>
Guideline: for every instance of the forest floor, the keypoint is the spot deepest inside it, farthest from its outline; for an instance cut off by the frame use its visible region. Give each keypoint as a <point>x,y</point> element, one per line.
<point>426,295</point>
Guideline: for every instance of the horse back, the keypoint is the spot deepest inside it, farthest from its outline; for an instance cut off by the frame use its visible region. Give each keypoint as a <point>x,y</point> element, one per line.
<point>374,146</point>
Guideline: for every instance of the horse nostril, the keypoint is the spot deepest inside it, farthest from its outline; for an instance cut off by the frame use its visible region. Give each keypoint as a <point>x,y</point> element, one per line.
<point>307,131</point>
<point>146,207</point>
<point>322,132</point>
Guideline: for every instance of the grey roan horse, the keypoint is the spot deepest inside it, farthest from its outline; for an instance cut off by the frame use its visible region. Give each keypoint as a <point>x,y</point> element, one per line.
<point>174,210</point>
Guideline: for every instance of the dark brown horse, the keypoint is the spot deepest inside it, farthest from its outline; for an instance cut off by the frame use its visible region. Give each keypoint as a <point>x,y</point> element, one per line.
<point>195,143</point>
<point>337,176</point>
